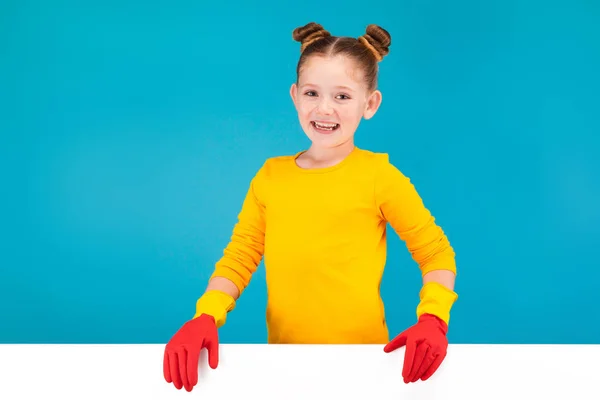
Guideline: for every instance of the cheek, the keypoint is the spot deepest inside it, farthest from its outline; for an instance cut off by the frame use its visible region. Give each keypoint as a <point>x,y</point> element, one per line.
<point>305,109</point>
<point>351,115</point>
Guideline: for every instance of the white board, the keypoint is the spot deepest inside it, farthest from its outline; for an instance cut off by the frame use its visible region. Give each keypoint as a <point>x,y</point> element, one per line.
<point>282,372</point>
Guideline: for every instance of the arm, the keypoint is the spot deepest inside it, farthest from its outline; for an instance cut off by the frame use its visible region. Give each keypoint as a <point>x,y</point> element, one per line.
<point>401,206</point>
<point>442,277</point>
<point>223,285</point>
<point>240,259</point>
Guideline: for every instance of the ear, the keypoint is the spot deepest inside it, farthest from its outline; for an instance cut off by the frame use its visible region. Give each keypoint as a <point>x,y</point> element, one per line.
<point>294,93</point>
<point>373,103</point>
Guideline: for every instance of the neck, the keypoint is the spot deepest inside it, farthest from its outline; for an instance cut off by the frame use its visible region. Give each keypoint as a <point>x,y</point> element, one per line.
<point>331,154</point>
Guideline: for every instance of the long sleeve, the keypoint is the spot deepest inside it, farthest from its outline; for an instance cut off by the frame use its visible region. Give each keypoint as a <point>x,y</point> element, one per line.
<point>245,250</point>
<point>401,206</point>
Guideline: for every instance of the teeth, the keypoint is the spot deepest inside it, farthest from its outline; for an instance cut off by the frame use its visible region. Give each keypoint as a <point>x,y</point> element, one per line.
<point>325,126</point>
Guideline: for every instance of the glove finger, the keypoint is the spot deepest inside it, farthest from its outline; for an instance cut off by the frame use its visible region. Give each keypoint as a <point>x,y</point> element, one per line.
<point>427,359</point>
<point>193,357</point>
<point>433,367</point>
<point>166,367</point>
<point>409,358</point>
<point>182,356</point>
<point>396,343</point>
<point>212,346</point>
<point>420,350</point>
<point>174,368</point>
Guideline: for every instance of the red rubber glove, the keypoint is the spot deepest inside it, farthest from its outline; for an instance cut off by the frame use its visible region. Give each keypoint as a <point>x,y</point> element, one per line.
<point>182,352</point>
<point>426,346</point>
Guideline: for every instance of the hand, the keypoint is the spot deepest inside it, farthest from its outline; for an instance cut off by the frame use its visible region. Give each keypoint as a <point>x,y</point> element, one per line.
<point>182,353</point>
<point>426,346</point>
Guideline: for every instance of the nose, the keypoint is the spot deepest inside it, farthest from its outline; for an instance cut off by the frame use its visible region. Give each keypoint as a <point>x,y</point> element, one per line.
<point>324,107</point>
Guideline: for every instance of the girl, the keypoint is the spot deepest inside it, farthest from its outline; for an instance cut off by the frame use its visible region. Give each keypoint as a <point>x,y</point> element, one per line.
<point>319,219</point>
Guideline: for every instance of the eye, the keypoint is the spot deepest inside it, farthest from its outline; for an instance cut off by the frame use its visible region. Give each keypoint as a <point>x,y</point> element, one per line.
<point>343,97</point>
<point>310,93</point>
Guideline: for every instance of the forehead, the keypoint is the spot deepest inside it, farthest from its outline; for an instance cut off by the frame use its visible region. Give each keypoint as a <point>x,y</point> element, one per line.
<point>331,71</point>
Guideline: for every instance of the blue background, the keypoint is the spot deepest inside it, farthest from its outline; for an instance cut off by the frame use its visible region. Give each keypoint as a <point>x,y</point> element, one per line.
<point>130,131</point>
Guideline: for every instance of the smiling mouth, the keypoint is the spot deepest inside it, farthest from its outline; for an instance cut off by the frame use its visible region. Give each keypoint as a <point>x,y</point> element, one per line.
<point>324,127</point>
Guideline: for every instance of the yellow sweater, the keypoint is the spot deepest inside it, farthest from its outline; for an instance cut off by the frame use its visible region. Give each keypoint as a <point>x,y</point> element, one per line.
<point>322,233</point>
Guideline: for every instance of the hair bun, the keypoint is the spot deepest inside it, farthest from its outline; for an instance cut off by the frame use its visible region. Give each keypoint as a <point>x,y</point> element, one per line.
<point>378,40</point>
<point>309,33</point>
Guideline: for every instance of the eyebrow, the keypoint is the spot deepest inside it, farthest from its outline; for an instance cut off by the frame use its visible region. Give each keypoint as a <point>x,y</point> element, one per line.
<point>337,87</point>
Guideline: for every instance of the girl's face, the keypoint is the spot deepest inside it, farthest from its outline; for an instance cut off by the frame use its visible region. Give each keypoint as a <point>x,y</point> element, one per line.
<point>331,99</point>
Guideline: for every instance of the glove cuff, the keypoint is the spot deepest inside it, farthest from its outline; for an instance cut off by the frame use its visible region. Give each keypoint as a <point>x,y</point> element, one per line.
<point>216,304</point>
<point>436,299</point>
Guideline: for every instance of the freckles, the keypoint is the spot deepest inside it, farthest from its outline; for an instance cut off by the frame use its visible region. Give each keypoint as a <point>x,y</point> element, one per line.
<point>305,106</point>
<point>307,111</point>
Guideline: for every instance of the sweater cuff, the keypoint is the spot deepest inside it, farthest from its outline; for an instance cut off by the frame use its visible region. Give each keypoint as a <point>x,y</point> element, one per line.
<point>436,299</point>
<point>216,304</point>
